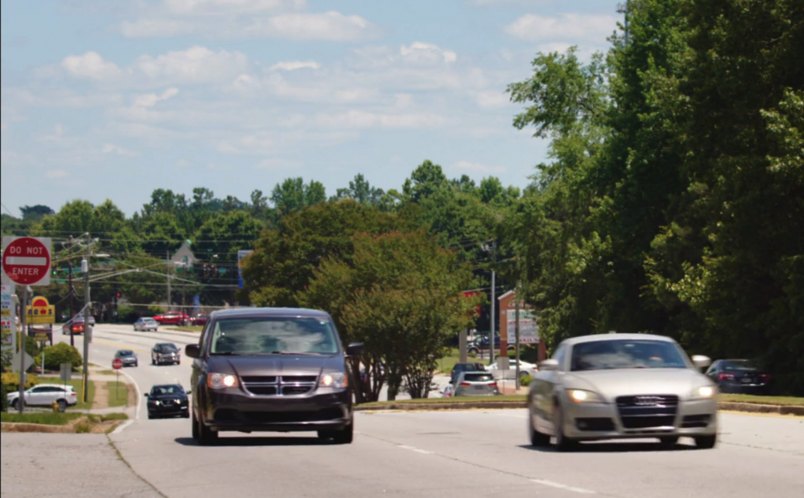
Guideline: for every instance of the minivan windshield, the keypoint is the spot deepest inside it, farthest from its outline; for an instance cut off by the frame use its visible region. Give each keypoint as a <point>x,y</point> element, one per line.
<point>273,335</point>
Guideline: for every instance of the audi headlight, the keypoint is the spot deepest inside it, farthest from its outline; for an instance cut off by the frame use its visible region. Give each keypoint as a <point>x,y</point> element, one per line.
<point>704,392</point>
<point>221,380</point>
<point>334,380</point>
<point>583,396</point>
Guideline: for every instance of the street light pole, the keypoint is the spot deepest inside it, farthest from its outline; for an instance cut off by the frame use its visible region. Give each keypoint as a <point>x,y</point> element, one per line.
<point>87,330</point>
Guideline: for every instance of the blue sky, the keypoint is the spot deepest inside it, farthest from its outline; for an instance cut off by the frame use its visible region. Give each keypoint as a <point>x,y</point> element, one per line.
<point>113,99</point>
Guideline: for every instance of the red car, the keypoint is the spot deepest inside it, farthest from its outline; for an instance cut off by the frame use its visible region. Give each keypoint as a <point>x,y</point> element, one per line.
<point>198,319</point>
<point>172,318</point>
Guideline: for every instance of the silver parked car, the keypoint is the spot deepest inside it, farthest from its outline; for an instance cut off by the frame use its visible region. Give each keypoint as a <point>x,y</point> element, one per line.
<point>146,323</point>
<point>475,384</point>
<point>610,386</point>
<point>45,395</point>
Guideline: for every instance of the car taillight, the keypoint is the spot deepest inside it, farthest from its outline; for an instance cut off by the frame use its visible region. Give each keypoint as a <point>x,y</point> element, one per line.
<point>764,377</point>
<point>493,384</point>
<point>725,376</point>
<point>465,384</point>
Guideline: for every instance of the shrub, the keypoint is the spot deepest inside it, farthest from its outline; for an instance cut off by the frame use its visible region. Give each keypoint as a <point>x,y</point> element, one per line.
<point>61,353</point>
<point>11,381</point>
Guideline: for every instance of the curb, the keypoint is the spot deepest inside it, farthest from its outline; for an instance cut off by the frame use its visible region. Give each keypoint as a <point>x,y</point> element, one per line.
<point>402,406</point>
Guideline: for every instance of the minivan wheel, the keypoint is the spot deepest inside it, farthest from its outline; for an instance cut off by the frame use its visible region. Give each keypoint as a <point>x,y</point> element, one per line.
<point>194,423</point>
<point>206,436</point>
<point>345,435</point>
<point>62,405</point>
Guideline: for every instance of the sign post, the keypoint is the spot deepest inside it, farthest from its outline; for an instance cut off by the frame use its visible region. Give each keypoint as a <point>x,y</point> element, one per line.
<point>25,261</point>
<point>117,364</point>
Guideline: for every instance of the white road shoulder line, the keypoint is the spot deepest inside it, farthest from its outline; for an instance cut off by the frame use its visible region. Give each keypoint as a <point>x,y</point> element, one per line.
<point>565,487</point>
<point>417,450</point>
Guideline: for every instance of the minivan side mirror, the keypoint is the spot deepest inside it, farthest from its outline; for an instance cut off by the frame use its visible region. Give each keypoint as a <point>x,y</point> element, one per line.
<point>354,349</point>
<point>192,351</point>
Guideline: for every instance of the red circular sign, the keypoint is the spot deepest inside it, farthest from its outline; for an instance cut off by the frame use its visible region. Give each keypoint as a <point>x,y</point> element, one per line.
<point>117,363</point>
<point>26,261</point>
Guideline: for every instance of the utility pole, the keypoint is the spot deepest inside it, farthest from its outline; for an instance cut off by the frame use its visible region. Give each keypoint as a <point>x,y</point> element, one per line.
<point>87,329</point>
<point>493,300</point>
<point>72,299</point>
<point>168,281</point>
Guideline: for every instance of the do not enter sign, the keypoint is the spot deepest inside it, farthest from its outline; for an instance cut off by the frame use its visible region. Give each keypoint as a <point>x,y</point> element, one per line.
<point>117,363</point>
<point>26,260</point>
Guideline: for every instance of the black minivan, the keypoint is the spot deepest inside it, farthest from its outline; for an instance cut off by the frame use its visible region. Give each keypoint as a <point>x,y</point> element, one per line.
<point>271,369</point>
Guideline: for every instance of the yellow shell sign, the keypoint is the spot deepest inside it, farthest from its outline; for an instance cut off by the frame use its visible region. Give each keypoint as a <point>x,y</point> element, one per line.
<point>40,312</point>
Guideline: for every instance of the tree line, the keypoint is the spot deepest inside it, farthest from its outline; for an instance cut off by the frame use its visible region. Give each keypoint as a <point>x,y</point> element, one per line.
<point>672,202</point>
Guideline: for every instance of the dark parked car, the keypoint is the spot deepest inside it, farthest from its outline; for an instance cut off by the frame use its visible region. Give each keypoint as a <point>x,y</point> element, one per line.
<point>464,367</point>
<point>167,400</point>
<point>127,356</point>
<point>271,369</point>
<point>739,376</point>
<point>482,344</point>
<point>165,352</point>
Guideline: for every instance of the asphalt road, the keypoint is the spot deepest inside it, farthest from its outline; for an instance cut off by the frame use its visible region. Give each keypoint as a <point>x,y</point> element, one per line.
<point>438,453</point>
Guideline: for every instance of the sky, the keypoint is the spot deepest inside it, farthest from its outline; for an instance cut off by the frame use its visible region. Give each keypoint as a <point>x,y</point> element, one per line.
<point>113,99</point>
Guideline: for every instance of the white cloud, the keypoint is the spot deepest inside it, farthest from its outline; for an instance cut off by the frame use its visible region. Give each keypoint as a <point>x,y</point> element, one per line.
<point>152,28</point>
<point>188,7</point>
<point>565,27</point>
<point>90,65</point>
<point>56,174</point>
<point>328,26</point>
<point>470,167</point>
<point>295,65</point>
<point>150,100</point>
<point>194,65</point>
<point>116,150</point>
<point>426,53</point>
<point>365,119</point>
<point>491,99</point>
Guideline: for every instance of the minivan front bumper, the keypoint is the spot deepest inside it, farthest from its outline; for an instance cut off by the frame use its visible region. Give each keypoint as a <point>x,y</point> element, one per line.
<point>245,412</point>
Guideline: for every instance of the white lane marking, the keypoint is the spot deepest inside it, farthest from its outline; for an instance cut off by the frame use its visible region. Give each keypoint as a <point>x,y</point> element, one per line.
<point>417,450</point>
<point>558,485</point>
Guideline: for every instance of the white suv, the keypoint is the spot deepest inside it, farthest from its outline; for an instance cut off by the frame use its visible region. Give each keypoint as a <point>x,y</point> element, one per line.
<point>45,395</point>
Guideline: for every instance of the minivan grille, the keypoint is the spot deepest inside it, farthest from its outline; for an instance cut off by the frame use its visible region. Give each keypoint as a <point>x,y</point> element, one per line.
<point>279,385</point>
<point>647,411</point>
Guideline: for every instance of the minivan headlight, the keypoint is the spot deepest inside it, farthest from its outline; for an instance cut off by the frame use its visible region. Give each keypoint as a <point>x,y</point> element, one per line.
<point>335,380</point>
<point>221,381</point>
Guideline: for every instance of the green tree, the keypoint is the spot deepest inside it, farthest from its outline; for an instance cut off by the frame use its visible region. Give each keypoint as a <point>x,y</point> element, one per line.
<point>400,294</point>
<point>284,257</point>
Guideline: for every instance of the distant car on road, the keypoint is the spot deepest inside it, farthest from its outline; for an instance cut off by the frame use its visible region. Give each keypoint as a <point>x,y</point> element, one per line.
<point>480,383</point>
<point>127,356</point>
<point>481,343</point>
<point>172,318</point>
<point>167,400</point>
<point>76,323</point>
<point>198,319</point>
<point>739,376</point>
<point>45,395</point>
<point>611,386</point>
<point>165,352</point>
<point>146,323</point>
<point>464,367</point>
